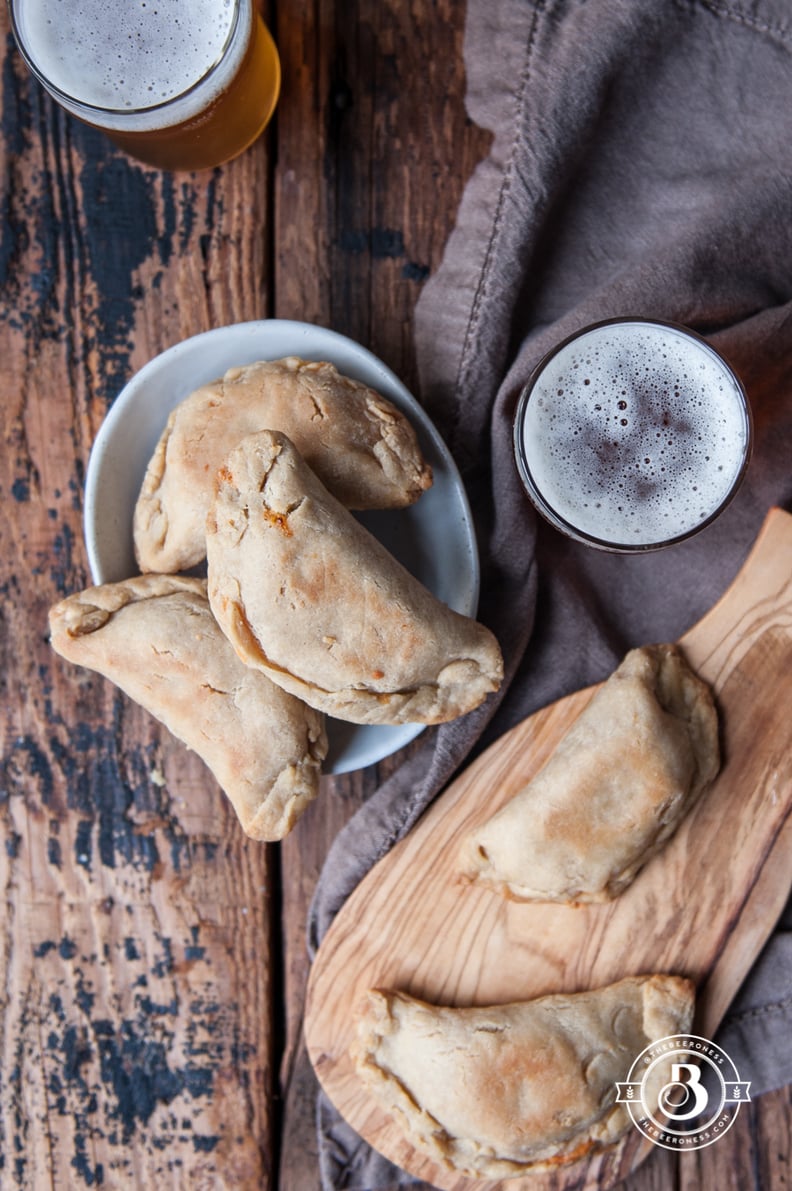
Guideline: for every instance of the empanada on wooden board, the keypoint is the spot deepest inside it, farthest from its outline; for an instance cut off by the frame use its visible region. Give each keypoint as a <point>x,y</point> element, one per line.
<point>618,784</point>
<point>702,908</point>
<point>500,1089</point>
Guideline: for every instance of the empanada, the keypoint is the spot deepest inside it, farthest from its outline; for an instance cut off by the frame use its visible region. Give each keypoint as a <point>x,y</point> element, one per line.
<point>496,1092</point>
<point>362,446</point>
<point>154,636</point>
<point>310,597</point>
<point>614,790</point>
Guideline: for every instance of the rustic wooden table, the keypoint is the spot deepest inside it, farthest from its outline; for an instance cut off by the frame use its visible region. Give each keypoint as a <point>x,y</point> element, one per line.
<point>154,958</point>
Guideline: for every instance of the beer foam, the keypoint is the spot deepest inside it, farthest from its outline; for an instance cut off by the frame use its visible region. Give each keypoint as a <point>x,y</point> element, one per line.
<point>130,57</point>
<point>635,433</point>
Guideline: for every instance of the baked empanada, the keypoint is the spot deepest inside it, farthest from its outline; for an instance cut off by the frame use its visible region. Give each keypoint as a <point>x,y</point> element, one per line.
<point>310,597</point>
<point>154,636</point>
<point>616,787</point>
<point>496,1092</point>
<point>364,449</point>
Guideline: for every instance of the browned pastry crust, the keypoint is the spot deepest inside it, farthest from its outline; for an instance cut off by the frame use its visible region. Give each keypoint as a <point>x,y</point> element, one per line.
<point>307,595</point>
<point>529,1086</point>
<point>154,636</point>
<point>362,446</point>
<point>615,789</point>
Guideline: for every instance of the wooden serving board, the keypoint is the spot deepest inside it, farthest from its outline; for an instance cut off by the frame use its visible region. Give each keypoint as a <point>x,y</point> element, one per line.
<point>702,908</point>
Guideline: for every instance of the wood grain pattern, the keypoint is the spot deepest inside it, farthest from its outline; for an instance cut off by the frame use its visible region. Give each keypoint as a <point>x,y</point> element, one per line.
<point>702,908</point>
<point>374,148</point>
<point>135,1036</point>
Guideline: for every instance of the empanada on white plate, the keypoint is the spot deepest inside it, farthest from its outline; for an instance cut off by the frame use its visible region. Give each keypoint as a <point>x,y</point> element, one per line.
<point>362,446</point>
<point>500,1091</point>
<point>306,594</point>
<point>154,636</point>
<point>614,790</point>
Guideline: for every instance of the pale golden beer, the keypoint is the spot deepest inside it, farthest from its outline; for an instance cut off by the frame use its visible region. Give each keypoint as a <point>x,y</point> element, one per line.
<point>180,84</point>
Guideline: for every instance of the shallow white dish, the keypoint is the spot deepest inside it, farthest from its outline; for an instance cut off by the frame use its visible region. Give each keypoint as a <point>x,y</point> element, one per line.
<point>434,538</point>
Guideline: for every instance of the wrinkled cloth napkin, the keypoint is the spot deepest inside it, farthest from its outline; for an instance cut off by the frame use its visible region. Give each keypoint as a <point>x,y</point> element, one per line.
<point>641,164</point>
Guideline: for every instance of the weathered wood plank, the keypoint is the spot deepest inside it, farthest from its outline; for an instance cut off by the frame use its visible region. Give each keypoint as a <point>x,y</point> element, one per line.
<point>373,150</point>
<point>136,982</point>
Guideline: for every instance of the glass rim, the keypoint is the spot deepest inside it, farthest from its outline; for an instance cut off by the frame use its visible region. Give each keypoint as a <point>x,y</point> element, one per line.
<point>573,531</point>
<point>72,102</point>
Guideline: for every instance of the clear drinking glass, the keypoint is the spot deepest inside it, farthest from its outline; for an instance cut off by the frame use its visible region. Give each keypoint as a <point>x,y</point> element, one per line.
<point>180,84</point>
<point>632,434</point>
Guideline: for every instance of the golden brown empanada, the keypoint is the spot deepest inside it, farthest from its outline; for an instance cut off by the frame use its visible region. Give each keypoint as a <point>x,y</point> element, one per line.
<point>154,636</point>
<point>364,449</point>
<point>307,595</point>
<point>500,1091</point>
<point>614,790</point>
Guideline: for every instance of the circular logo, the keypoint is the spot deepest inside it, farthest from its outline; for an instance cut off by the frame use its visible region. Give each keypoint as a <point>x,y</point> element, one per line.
<point>683,1092</point>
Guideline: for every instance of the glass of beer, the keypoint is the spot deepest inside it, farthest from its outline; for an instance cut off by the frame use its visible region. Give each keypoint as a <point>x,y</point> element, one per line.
<point>632,434</point>
<point>179,84</point>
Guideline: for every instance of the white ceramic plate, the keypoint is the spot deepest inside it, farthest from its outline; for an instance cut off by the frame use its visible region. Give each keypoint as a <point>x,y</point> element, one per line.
<point>433,538</point>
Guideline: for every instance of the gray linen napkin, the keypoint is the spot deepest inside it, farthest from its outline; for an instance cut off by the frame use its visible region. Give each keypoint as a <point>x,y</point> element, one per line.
<point>641,165</point>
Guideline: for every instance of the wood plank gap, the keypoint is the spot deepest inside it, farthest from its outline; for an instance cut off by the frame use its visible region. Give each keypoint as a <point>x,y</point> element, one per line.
<point>278,1011</point>
<point>272,135</point>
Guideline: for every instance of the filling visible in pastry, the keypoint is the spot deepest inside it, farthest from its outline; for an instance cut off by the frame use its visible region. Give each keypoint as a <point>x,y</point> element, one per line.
<point>495,1092</point>
<point>310,597</point>
<point>362,446</point>
<point>155,637</point>
<point>615,789</point>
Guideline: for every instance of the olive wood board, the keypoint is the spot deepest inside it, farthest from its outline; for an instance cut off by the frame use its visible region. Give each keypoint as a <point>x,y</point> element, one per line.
<point>702,908</point>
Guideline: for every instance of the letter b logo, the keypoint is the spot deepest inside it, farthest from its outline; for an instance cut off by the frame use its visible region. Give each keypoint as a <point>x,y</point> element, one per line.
<point>685,1096</point>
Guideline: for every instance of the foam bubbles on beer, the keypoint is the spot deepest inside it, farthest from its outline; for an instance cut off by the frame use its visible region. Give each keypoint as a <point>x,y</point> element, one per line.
<point>129,56</point>
<point>635,434</point>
